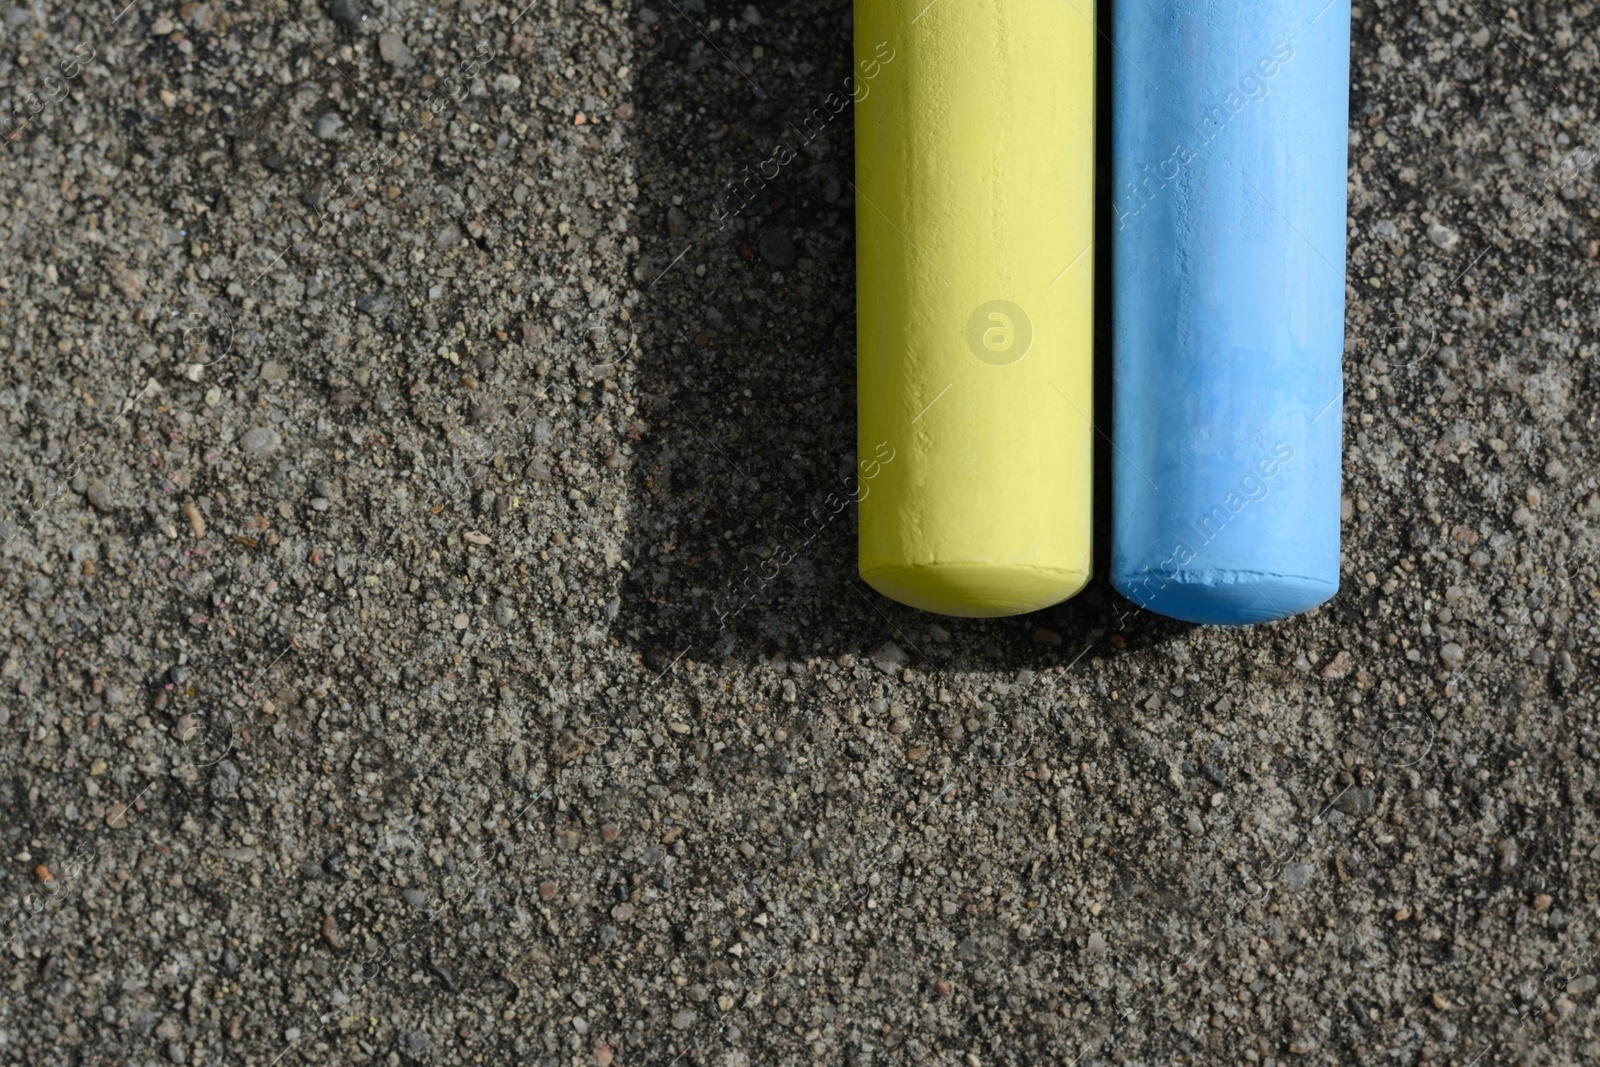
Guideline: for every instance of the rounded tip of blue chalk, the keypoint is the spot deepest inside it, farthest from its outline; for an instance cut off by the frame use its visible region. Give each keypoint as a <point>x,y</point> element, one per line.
<point>1236,598</point>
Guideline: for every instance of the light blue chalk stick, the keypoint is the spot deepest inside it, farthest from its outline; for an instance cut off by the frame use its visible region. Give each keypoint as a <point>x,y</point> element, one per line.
<point>1230,137</point>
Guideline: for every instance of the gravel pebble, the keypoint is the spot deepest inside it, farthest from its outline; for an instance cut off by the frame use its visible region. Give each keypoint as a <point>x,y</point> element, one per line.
<point>1296,876</point>
<point>328,126</point>
<point>393,50</point>
<point>888,658</point>
<point>1356,801</point>
<point>224,779</point>
<point>776,250</point>
<point>260,442</point>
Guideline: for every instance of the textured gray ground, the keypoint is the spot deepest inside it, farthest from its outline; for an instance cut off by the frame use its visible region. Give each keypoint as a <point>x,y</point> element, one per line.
<point>365,694</point>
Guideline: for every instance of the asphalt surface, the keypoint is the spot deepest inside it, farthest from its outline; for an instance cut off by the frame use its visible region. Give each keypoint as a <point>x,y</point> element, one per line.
<point>401,423</point>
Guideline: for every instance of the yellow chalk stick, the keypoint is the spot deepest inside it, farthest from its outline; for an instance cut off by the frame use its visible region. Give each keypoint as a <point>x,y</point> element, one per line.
<point>974,225</point>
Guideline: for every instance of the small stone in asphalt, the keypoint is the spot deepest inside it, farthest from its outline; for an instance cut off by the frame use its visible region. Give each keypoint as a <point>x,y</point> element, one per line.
<point>443,974</point>
<point>346,11</point>
<point>260,442</point>
<point>888,658</point>
<point>224,779</point>
<point>328,126</point>
<point>394,50</point>
<point>374,303</point>
<point>1296,876</point>
<point>776,249</point>
<point>1356,801</point>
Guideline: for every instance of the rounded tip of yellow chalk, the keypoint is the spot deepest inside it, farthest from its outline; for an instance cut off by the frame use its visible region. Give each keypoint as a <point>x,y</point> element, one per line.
<point>976,590</point>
